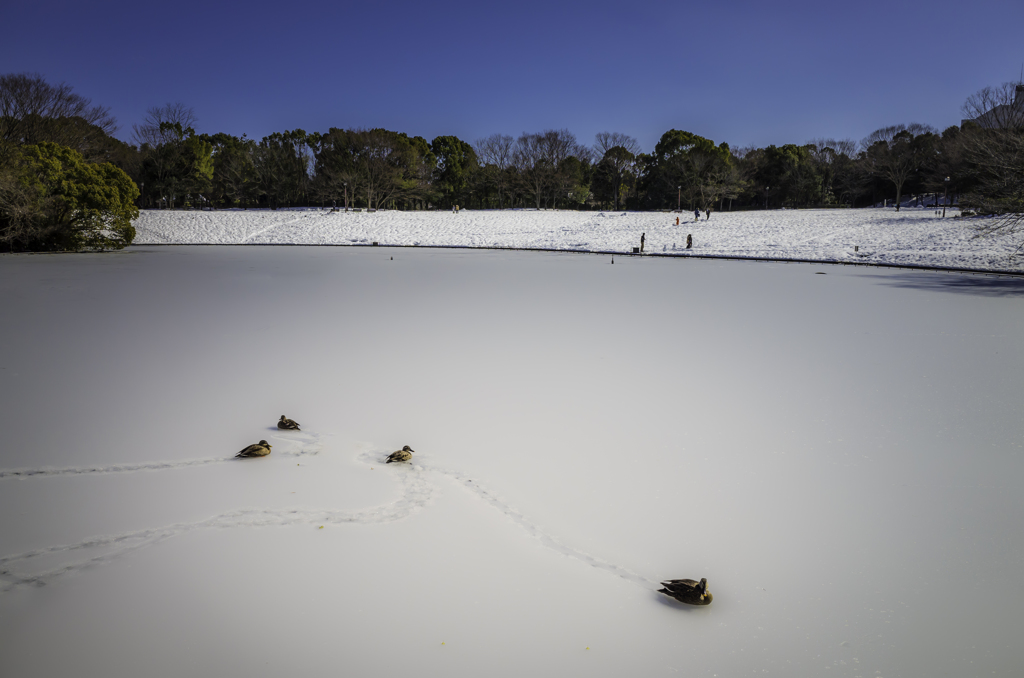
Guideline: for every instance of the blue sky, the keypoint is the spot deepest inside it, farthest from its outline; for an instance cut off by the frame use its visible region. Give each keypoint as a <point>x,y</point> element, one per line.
<point>749,73</point>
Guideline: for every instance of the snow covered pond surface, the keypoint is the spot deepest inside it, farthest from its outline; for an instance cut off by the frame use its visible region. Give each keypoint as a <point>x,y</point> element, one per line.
<point>838,450</point>
<point>911,236</point>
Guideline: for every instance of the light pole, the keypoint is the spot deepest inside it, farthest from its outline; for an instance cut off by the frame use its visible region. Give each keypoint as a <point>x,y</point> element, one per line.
<point>945,196</point>
<point>679,200</point>
<point>345,184</point>
<point>766,189</point>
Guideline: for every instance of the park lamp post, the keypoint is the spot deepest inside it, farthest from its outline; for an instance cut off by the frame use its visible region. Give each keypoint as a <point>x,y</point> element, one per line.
<point>766,189</point>
<point>679,200</point>
<point>945,196</point>
<point>345,184</point>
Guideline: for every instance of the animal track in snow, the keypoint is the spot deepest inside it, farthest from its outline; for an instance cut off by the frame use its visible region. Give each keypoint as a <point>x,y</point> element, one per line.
<point>308,445</point>
<point>416,493</point>
<point>522,521</point>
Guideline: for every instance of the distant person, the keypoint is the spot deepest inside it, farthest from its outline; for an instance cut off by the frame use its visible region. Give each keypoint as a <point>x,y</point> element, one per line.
<point>696,214</point>
<point>707,214</point>
<point>643,236</point>
<point>689,241</point>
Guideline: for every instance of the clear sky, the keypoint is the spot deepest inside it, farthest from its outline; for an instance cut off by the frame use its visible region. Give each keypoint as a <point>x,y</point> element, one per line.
<point>749,73</point>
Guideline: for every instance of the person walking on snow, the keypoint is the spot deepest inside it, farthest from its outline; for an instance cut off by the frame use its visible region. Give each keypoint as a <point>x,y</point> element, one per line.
<point>696,214</point>
<point>643,236</point>
<point>708,213</point>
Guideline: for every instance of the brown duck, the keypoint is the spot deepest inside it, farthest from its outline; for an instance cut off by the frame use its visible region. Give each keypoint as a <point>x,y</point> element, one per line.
<point>404,454</point>
<point>288,424</point>
<point>260,449</point>
<point>688,591</point>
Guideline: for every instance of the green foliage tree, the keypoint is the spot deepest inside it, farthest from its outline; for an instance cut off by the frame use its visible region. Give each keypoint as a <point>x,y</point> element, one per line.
<point>51,199</point>
<point>282,162</point>
<point>897,153</point>
<point>690,165</point>
<point>456,163</point>
<point>335,165</point>
<point>179,167</point>
<point>615,169</point>
<point>789,175</point>
<point>234,175</point>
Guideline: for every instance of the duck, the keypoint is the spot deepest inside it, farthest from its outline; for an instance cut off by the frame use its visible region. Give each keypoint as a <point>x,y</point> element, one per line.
<point>688,591</point>
<point>260,449</point>
<point>288,424</point>
<point>404,454</point>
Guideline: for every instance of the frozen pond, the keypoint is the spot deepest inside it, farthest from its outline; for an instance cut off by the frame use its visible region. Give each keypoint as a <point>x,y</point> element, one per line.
<point>837,449</point>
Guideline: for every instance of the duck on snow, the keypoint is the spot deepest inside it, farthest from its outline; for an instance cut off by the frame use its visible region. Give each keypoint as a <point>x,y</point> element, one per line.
<point>287,424</point>
<point>688,591</point>
<point>260,449</point>
<point>404,454</point>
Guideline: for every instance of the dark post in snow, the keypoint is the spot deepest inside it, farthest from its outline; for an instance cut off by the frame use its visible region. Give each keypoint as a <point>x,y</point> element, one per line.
<point>945,196</point>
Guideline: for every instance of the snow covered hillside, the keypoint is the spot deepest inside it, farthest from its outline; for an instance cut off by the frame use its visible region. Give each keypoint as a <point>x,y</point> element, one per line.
<point>911,236</point>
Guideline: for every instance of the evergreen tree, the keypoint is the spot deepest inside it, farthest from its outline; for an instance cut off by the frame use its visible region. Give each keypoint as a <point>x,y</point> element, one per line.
<point>456,163</point>
<point>52,199</point>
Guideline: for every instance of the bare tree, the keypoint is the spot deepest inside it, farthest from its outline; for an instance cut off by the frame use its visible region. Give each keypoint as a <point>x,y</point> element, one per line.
<point>150,132</point>
<point>605,141</point>
<point>528,157</point>
<point>834,158</point>
<point>834,147</point>
<point>540,157</point>
<point>32,110</point>
<point>558,146</point>
<point>618,152</point>
<point>994,146</point>
<point>997,107</point>
<point>497,150</point>
<point>887,134</point>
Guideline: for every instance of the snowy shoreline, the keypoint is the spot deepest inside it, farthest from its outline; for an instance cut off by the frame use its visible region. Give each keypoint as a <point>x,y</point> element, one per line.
<point>660,255</point>
<point>911,238</point>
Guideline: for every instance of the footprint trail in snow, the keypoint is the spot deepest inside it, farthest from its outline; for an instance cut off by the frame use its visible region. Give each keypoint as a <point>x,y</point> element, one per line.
<point>536,532</point>
<point>416,493</point>
<point>296,447</point>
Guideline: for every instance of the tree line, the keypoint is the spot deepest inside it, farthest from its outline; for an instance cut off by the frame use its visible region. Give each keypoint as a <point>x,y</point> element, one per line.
<point>67,183</point>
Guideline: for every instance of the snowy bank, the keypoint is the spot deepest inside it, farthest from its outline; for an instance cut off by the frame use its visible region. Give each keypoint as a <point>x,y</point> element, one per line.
<point>911,236</point>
